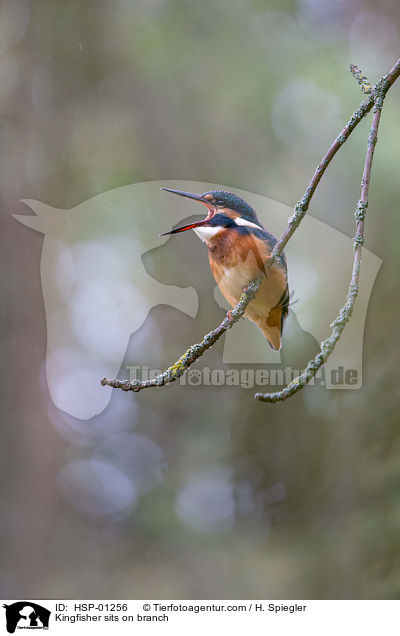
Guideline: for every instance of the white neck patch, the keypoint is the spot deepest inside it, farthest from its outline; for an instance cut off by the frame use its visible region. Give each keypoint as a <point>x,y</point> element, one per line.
<point>205,233</point>
<point>241,221</point>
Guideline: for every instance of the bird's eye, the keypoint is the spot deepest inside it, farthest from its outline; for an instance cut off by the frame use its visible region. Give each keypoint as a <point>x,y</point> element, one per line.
<point>220,202</point>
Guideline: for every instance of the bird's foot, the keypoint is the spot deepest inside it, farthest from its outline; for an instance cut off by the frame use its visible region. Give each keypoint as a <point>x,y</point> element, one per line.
<point>229,315</point>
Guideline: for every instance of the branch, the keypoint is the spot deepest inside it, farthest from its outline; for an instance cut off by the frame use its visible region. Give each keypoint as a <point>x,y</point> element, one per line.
<point>327,346</point>
<point>375,96</point>
<point>195,351</point>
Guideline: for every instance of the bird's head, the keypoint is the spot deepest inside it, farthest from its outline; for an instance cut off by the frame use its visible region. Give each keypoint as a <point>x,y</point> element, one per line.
<point>224,210</point>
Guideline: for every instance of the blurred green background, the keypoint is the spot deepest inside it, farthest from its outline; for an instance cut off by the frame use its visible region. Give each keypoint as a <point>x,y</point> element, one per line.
<point>196,492</point>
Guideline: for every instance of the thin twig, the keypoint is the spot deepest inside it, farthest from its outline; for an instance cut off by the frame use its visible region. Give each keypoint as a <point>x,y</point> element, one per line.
<point>361,79</point>
<point>301,206</point>
<point>376,97</point>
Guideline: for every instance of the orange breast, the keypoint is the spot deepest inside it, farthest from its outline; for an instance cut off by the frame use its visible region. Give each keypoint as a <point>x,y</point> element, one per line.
<point>235,260</point>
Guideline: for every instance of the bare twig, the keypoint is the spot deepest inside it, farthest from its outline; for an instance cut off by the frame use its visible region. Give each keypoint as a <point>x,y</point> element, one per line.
<point>375,96</point>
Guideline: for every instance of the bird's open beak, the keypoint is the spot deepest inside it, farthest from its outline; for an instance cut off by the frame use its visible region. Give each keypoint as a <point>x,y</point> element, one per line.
<point>194,197</point>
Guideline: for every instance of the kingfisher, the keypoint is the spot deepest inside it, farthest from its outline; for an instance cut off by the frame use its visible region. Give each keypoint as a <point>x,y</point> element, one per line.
<point>238,250</point>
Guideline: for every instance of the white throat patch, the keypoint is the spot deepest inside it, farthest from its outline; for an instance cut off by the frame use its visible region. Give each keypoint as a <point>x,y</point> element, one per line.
<point>205,233</point>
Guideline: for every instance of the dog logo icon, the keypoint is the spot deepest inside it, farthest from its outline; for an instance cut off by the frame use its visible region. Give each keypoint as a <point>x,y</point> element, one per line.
<point>26,615</point>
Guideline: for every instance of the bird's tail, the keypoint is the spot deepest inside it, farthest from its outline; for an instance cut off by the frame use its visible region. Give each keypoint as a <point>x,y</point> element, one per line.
<point>272,325</point>
<point>271,328</point>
